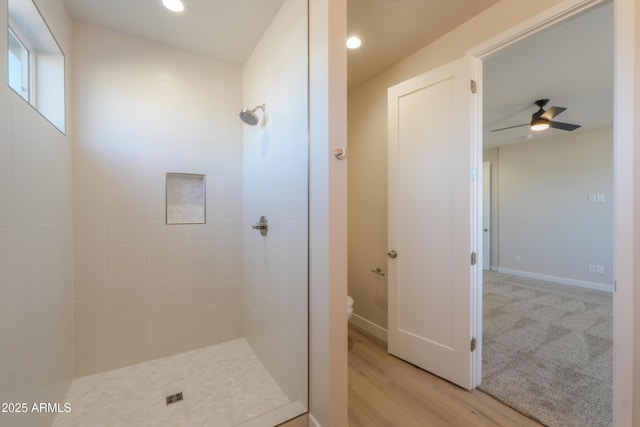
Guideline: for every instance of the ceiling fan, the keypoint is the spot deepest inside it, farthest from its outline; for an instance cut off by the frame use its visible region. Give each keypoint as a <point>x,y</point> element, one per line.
<point>541,119</point>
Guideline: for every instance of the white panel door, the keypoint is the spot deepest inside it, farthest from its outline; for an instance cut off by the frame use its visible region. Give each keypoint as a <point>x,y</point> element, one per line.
<point>431,196</point>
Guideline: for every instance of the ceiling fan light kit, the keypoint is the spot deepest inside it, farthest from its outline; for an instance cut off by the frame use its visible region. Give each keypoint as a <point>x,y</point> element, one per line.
<point>539,124</point>
<point>541,119</point>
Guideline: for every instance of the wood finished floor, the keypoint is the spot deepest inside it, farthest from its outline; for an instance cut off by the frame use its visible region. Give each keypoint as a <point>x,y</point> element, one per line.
<point>386,391</point>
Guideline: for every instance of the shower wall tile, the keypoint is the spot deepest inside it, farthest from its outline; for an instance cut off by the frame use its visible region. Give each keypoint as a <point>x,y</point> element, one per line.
<point>27,320</point>
<point>233,309</point>
<point>169,256</point>
<point>233,206</point>
<point>7,302</point>
<point>212,230</point>
<point>88,185</point>
<point>168,322</point>
<point>7,260</point>
<point>24,172</point>
<point>142,110</point>
<point>206,286</point>
<point>47,177</point>
<point>297,268</point>
<point>25,242</point>
<point>23,120</point>
<point>206,325</point>
<point>88,335</point>
<point>8,392</point>
<point>168,121</point>
<point>233,252</point>
<point>126,342</point>
<point>6,160</point>
<point>88,262</point>
<point>126,208</point>
<point>162,161</point>
<point>216,199</point>
<point>120,155</point>
<point>126,282</point>
<point>54,367</point>
<point>49,305</point>
<point>26,329</point>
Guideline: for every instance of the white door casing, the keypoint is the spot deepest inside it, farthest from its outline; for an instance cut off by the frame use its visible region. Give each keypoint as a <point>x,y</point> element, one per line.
<point>433,198</point>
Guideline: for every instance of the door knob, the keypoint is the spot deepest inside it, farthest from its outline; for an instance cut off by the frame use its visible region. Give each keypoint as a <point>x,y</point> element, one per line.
<point>392,254</point>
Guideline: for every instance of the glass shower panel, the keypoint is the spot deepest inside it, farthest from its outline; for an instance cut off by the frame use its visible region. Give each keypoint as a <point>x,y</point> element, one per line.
<point>275,186</point>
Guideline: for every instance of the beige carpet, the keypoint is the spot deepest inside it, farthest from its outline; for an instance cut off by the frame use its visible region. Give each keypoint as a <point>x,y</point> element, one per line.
<point>547,350</point>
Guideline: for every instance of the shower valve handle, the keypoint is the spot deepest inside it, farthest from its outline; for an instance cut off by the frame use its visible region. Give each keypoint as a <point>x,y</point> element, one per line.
<point>262,226</point>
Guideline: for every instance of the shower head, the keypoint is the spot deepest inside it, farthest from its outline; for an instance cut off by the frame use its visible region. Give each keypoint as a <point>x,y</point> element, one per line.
<point>249,116</point>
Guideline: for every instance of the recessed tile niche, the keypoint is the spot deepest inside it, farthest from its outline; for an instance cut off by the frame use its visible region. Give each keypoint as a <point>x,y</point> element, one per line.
<point>185,198</point>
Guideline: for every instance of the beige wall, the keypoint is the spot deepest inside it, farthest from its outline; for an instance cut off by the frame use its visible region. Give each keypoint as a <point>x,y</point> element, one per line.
<point>143,289</point>
<point>35,243</point>
<point>275,185</point>
<point>545,214</point>
<point>367,207</point>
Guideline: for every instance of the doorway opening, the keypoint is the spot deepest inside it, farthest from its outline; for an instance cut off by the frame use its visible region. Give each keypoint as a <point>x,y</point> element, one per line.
<point>547,321</point>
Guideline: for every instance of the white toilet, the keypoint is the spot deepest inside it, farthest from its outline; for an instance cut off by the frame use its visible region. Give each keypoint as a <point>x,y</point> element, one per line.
<point>349,307</point>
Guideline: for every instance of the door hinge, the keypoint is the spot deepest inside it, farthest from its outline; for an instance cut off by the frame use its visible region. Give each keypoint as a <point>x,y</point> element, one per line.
<point>474,258</point>
<point>473,344</point>
<point>474,173</point>
<point>474,87</point>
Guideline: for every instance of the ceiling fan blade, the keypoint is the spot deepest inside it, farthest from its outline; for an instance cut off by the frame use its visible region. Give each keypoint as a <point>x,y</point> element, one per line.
<point>510,127</point>
<point>563,126</point>
<point>552,112</point>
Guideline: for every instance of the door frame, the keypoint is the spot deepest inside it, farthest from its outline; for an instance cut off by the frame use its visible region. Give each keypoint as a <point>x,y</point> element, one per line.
<point>623,297</point>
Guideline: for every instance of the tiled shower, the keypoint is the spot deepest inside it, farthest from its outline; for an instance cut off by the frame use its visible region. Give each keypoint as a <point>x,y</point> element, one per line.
<point>142,110</point>
<point>142,289</point>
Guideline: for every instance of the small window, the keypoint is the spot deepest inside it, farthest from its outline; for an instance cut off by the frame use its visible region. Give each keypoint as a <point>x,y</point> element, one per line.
<point>19,68</point>
<point>35,62</point>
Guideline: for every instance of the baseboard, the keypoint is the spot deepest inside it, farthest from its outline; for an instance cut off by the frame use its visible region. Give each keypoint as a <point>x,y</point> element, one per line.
<point>369,327</point>
<point>559,280</point>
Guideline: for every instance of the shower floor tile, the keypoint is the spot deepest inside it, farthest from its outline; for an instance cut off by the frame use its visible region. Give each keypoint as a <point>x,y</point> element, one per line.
<point>222,385</point>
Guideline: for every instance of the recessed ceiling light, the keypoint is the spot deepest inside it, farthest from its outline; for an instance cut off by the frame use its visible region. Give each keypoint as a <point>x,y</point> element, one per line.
<point>353,42</point>
<point>176,6</point>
